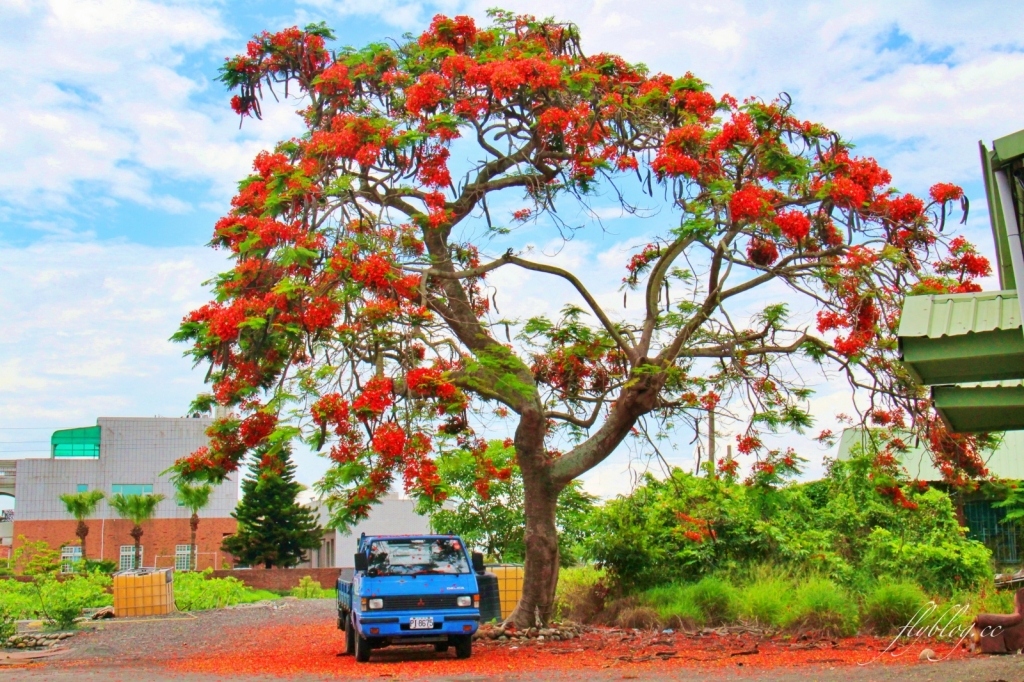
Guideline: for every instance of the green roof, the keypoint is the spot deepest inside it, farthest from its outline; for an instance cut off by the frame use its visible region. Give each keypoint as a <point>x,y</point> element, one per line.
<point>978,409</point>
<point>962,338</point>
<point>81,442</point>
<point>939,315</point>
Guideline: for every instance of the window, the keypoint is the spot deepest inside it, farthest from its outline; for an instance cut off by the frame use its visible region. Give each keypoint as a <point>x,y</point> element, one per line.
<point>183,557</point>
<point>83,487</point>
<point>128,557</point>
<point>132,488</point>
<point>70,555</point>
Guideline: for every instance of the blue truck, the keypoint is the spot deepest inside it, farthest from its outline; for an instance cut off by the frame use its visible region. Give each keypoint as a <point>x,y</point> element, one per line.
<point>410,589</point>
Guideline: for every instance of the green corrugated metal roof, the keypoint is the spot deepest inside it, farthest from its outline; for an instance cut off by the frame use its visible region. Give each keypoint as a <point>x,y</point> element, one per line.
<point>939,315</point>
<point>979,409</point>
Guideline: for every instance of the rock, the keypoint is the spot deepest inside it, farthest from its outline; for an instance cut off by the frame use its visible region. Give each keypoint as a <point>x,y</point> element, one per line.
<point>927,655</point>
<point>105,612</point>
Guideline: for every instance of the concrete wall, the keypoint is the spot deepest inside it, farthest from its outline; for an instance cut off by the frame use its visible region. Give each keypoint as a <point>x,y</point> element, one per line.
<point>132,450</point>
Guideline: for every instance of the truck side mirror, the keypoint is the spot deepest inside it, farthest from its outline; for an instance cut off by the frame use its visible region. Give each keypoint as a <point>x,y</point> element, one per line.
<point>478,562</point>
<point>361,562</point>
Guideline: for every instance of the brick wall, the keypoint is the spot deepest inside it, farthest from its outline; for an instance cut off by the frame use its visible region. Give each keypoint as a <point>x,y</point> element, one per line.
<point>281,579</point>
<point>158,540</point>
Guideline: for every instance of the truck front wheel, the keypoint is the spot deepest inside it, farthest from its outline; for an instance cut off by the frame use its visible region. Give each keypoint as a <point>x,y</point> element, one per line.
<point>362,648</point>
<point>463,646</point>
<point>350,637</point>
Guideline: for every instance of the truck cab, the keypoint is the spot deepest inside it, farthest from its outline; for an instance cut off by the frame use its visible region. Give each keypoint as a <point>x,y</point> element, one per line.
<point>410,589</point>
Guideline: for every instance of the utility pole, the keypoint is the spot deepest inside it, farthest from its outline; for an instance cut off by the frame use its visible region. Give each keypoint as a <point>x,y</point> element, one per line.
<point>711,440</point>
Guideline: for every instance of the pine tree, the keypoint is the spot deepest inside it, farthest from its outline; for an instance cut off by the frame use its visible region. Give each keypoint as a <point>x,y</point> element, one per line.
<point>273,529</point>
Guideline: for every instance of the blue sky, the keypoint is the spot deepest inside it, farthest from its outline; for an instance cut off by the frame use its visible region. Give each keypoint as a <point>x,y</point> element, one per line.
<point>120,151</point>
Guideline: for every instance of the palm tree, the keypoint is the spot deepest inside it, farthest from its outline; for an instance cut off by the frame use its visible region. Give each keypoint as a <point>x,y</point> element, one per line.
<point>195,497</point>
<point>82,506</point>
<point>138,509</point>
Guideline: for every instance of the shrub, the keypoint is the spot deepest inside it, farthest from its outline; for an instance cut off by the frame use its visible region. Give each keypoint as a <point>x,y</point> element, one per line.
<point>581,593</point>
<point>198,591</point>
<point>8,626</point>
<point>20,599</point>
<point>310,589</point>
<point>893,605</point>
<point>821,605</point>
<point>62,601</point>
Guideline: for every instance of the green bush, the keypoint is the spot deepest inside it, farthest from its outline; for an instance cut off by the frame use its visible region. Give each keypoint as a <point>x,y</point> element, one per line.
<point>8,626</point>
<point>310,589</point>
<point>62,601</point>
<point>823,606</point>
<point>20,599</point>
<point>891,606</point>
<point>198,591</point>
<point>57,602</point>
<point>688,527</point>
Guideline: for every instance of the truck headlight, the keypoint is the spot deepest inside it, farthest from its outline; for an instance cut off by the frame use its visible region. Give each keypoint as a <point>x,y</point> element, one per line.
<point>376,604</point>
<point>464,601</point>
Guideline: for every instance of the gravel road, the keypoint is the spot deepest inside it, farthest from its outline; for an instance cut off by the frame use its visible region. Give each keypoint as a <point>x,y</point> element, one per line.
<point>147,649</point>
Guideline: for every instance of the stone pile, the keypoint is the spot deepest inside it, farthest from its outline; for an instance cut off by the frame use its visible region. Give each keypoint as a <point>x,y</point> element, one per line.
<point>37,640</point>
<point>556,632</point>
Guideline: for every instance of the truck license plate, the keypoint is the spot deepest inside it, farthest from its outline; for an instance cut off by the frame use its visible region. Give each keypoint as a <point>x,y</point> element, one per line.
<point>421,623</point>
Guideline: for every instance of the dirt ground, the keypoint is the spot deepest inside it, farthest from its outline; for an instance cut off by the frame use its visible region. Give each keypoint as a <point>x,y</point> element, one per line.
<point>297,640</point>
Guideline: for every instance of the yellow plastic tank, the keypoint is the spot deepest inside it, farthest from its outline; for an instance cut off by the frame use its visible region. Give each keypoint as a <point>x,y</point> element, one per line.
<point>510,586</point>
<point>144,593</point>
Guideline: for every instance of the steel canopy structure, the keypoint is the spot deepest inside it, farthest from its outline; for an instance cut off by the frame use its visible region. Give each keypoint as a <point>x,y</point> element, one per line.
<point>970,347</point>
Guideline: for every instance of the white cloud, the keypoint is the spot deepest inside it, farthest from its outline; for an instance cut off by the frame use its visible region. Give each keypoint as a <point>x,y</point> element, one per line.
<point>86,329</point>
<point>99,96</point>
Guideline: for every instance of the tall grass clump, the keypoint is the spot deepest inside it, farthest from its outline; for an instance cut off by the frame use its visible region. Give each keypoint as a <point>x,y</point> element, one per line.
<point>823,606</point>
<point>675,605</point>
<point>765,601</point>
<point>891,606</point>
<point>716,599</point>
<point>581,593</point>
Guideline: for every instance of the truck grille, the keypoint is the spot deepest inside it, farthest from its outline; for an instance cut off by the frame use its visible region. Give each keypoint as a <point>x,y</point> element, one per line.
<point>415,602</point>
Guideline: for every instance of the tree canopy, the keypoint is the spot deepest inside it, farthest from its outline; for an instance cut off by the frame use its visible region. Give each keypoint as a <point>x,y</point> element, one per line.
<point>359,314</point>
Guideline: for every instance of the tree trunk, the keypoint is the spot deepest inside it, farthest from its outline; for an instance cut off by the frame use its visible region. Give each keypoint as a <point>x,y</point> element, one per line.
<point>137,535</point>
<point>193,550</point>
<point>536,606</point>
<point>540,501</point>
<point>81,532</point>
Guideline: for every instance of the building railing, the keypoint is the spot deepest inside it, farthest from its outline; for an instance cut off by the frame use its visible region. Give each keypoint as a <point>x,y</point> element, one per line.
<point>7,472</point>
<point>6,515</point>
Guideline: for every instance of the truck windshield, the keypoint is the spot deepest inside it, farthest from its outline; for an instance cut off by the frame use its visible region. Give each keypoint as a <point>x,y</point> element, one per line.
<point>416,556</point>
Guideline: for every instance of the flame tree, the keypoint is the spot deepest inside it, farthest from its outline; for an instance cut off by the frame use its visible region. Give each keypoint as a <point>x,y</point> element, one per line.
<point>357,314</point>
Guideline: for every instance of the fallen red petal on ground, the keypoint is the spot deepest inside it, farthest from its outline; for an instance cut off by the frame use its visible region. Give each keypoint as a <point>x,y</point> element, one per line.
<point>318,649</point>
